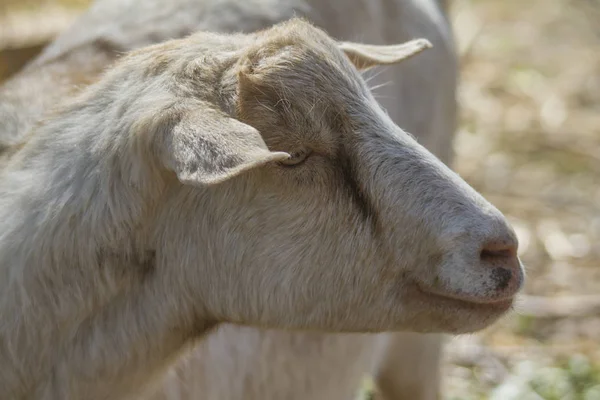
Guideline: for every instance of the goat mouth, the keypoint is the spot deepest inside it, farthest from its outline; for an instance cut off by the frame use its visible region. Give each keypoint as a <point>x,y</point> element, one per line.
<point>501,304</point>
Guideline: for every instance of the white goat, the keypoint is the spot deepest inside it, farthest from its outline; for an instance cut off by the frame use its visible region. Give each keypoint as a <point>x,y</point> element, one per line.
<point>350,49</point>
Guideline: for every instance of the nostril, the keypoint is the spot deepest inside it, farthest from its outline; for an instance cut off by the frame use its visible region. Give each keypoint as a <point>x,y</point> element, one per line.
<point>498,250</point>
<point>488,255</point>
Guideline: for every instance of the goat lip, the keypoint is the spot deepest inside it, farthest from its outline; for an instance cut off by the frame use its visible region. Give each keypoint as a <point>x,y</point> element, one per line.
<point>504,302</point>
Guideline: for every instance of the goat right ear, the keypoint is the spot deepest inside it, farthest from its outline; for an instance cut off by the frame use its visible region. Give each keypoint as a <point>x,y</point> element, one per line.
<point>365,56</point>
<point>206,147</point>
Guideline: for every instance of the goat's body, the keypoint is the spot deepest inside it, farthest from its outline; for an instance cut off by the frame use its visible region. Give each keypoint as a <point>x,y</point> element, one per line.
<point>248,363</point>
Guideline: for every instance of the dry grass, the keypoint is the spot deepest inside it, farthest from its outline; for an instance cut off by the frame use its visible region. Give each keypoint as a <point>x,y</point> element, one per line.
<point>529,140</point>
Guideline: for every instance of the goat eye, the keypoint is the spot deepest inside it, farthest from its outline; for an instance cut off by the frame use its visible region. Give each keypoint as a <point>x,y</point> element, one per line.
<point>296,158</point>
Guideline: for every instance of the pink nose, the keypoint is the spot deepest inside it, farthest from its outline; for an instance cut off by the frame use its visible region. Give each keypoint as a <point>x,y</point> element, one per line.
<point>500,254</point>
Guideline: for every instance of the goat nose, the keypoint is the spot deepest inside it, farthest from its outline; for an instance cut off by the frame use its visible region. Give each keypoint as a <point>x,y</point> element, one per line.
<point>501,254</point>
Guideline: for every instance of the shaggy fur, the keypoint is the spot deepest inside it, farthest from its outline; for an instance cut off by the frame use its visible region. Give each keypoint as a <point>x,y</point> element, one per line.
<point>229,158</point>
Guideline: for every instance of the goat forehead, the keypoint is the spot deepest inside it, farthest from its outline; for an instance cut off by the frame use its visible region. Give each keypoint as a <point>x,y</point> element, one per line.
<point>327,69</point>
<point>321,92</point>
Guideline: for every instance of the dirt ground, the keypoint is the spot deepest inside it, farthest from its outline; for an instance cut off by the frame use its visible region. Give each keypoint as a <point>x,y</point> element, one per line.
<point>529,140</point>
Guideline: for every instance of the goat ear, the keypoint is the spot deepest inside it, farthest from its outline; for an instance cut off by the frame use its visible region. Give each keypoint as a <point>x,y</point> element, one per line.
<point>365,56</point>
<point>208,147</point>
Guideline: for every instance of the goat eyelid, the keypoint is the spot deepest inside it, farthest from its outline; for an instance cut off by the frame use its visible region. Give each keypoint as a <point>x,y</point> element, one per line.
<point>296,158</point>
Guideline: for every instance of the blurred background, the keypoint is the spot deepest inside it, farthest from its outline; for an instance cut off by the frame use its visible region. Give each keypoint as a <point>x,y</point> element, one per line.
<point>529,140</point>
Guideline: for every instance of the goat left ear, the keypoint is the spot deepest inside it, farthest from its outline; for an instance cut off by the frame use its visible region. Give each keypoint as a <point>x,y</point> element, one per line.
<point>365,56</point>
<point>207,147</point>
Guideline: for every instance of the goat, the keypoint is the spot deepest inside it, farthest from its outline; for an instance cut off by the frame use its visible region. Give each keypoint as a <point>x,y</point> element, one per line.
<point>229,318</point>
